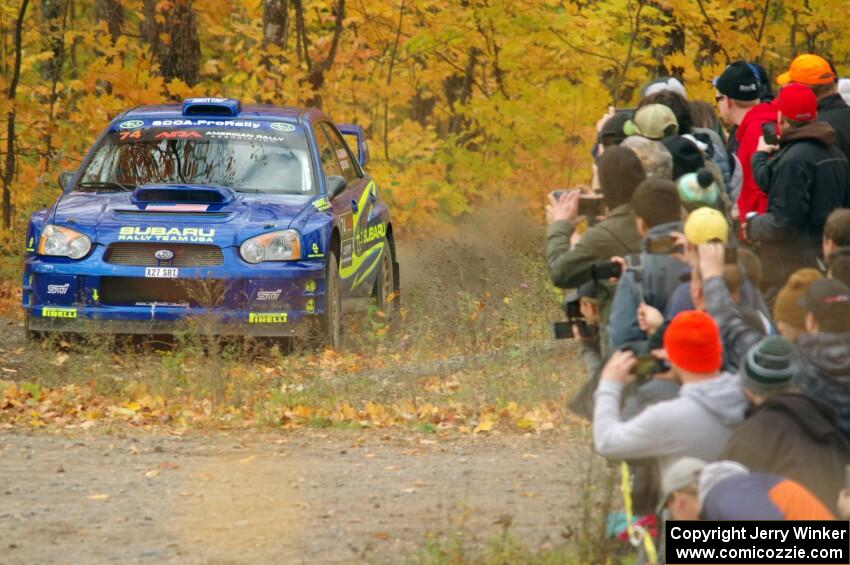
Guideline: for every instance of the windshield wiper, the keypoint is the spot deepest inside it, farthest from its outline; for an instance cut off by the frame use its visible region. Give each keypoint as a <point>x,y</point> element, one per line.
<point>108,185</point>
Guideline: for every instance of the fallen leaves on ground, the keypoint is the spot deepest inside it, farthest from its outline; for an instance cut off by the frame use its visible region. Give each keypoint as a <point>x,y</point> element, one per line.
<point>73,406</point>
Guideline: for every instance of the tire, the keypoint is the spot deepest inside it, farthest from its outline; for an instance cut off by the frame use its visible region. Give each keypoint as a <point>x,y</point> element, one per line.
<point>331,326</point>
<point>31,335</point>
<point>385,285</point>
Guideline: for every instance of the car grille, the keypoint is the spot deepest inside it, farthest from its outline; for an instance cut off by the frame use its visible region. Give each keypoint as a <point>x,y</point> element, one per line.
<point>143,254</point>
<point>133,291</point>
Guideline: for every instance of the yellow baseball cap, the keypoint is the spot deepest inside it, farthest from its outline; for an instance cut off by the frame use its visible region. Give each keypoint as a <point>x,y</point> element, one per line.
<point>706,224</point>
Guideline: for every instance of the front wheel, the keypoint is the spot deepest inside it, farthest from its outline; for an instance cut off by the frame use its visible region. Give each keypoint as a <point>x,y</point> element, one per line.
<point>331,325</point>
<point>31,335</point>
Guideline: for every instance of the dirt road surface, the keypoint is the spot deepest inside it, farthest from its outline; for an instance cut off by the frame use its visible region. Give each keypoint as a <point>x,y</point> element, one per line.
<point>290,497</point>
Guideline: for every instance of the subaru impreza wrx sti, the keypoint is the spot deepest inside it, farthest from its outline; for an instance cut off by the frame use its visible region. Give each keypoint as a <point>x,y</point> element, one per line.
<point>259,218</point>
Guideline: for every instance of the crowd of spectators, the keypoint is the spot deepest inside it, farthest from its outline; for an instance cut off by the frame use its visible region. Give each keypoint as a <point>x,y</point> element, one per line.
<point>711,301</point>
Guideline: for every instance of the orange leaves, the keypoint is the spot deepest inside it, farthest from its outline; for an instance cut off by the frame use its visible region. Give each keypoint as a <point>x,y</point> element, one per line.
<point>28,405</point>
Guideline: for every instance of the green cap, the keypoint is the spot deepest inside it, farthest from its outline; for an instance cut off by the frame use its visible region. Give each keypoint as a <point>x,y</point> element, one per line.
<point>655,121</point>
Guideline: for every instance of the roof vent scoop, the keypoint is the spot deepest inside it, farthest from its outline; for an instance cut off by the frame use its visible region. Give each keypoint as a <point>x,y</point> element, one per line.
<point>211,107</point>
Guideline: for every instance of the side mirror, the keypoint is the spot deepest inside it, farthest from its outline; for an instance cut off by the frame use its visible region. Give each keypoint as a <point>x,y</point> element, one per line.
<point>336,185</point>
<point>65,179</point>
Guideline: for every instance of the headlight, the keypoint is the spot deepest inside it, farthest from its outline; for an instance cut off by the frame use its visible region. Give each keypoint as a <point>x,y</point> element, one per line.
<point>63,242</point>
<point>275,246</point>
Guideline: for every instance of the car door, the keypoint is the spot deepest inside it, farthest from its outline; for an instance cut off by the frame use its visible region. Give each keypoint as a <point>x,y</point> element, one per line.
<point>349,207</point>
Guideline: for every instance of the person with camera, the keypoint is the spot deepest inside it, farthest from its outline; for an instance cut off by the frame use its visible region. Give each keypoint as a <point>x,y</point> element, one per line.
<point>652,276</point>
<point>697,423</point>
<point>569,262</point>
<point>805,178</point>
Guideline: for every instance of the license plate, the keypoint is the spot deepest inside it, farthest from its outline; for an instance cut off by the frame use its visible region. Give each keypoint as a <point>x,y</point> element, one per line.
<point>161,272</point>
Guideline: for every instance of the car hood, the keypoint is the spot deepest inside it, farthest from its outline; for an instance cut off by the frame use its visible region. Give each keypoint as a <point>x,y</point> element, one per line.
<point>108,217</point>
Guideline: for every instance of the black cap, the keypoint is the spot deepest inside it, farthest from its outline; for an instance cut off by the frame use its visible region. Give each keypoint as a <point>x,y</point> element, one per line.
<point>687,158</point>
<point>740,81</point>
<point>829,301</point>
<point>612,130</point>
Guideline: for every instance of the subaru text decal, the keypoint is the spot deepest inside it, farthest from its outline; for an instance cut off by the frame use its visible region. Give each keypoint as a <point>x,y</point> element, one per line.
<point>192,235</point>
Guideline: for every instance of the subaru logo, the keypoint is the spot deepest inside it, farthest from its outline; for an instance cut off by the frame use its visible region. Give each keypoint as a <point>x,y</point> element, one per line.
<point>131,124</point>
<point>164,254</point>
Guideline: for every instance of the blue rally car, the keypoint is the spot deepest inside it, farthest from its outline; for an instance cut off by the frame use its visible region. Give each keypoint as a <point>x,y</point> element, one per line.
<point>258,218</point>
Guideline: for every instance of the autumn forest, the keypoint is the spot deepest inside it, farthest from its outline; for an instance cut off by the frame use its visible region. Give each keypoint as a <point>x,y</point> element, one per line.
<point>462,101</point>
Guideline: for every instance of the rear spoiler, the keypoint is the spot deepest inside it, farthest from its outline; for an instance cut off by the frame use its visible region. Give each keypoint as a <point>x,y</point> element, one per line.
<point>350,131</point>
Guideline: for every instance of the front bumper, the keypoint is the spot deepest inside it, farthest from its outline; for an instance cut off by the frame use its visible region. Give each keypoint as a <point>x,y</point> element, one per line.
<point>92,296</point>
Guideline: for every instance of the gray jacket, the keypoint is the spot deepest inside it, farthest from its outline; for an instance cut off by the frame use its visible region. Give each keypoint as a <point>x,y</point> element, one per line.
<point>698,423</point>
<point>737,335</point>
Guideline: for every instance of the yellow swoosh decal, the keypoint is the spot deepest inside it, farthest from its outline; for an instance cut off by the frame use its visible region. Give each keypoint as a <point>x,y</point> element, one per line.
<point>373,252</point>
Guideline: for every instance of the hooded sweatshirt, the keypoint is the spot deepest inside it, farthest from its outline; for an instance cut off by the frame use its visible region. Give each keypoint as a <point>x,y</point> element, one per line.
<point>825,372</point>
<point>751,198</point>
<point>834,111</point>
<point>797,437</point>
<point>697,423</point>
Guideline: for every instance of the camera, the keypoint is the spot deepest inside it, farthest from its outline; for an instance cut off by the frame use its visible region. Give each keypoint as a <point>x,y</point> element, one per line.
<point>590,206</point>
<point>564,330</point>
<point>572,308</point>
<point>768,132</point>
<point>649,365</point>
<point>604,270</point>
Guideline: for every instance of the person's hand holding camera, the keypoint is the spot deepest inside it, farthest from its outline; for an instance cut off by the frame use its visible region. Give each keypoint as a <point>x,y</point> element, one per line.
<point>711,260</point>
<point>619,367</point>
<point>564,207</point>
<point>766,147</point>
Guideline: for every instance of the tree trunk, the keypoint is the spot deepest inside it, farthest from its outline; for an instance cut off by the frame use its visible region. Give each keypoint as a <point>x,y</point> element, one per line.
<point>174,40</point>
<point>11,94</point>
<point>316,70</point>
<point>110,11</point>
<point>59,59</point>
<point>52,12</point>
<point>276,22</point>
<point>458,89</point>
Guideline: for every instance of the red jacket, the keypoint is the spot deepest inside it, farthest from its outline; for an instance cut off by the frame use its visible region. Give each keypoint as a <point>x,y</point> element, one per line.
<point>752,199</point>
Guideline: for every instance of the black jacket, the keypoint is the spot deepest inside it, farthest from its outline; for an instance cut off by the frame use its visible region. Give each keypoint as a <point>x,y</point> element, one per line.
<point>825,372</point>
<point>794,436</point>
<point>834,111</point>
<point>805,180</point>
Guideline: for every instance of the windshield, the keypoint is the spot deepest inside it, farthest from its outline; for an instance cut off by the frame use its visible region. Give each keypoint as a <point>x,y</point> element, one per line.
<point>247,159</point>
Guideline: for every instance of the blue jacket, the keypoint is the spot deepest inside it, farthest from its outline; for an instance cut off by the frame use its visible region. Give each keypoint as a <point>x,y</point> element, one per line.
<point>660,275</point>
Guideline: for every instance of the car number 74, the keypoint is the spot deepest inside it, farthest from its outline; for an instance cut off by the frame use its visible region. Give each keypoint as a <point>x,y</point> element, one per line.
<point>161,272</point>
